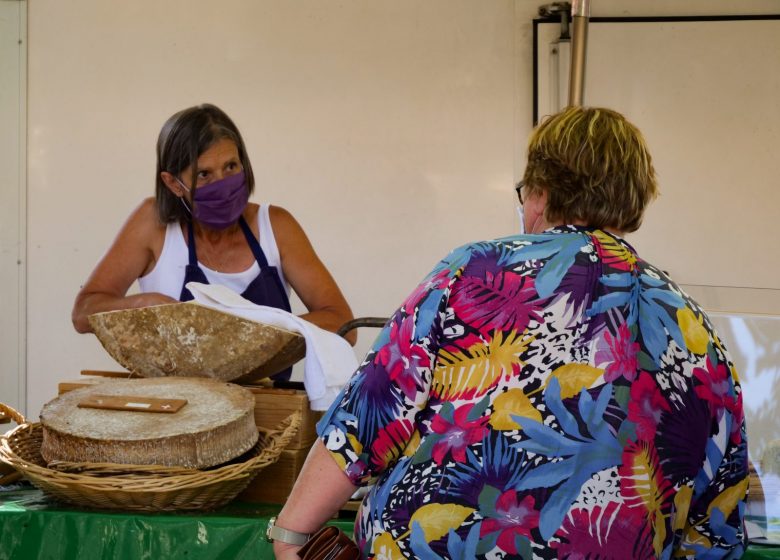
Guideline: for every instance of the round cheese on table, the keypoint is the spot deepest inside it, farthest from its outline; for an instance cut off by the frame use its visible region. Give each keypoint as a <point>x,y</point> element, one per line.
<point>214,426</point>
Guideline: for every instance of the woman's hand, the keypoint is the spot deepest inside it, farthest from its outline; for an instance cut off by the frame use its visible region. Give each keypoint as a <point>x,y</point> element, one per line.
<point>320,490</point>
<point>129,257</point>
<point>87,304</point>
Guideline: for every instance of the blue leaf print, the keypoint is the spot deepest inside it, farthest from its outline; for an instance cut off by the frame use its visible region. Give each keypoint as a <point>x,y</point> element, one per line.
<point>547,475</point>
<point>500,466</point>
<point>464,550</point>
<point>580,455</point>
<point>647,298</point>
<point>653,282</point>
<point>375,405</point>
<point>548,280</point>
<point>606,302</point>
<point>554,511</point>
<point>550,245</point>
<point>427,312</point>
<point>653,337</point>
<point>420,546</point>
<point>543,439</point>
<point>669,298</point>
<point>565,418</point>
<point>383,338</point>
<point>673,329</point>
<point>721,528</point>
<point>560,249</point>
<point>592,411</point>
<point>381,492</point>
<point>336,418</point>
<point>618,280</point>
<point>713,457</point>
<point>457,259</point>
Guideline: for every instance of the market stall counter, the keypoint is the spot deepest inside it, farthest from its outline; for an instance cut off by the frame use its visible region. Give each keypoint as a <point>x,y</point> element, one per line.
<point>33,527</point>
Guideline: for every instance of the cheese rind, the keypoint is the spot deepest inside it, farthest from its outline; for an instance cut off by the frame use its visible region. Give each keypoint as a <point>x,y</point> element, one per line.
<point>215,426</point>
<point>191,340</point>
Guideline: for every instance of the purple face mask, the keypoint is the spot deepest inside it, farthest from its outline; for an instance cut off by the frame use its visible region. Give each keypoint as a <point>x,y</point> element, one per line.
<point>218,205</point>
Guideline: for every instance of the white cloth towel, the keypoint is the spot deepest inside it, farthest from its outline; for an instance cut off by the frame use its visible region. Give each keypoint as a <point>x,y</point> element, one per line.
<point>330,359</point>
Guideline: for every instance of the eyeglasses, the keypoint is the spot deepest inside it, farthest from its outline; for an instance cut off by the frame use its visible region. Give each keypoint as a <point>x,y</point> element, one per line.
<point>518,188</point>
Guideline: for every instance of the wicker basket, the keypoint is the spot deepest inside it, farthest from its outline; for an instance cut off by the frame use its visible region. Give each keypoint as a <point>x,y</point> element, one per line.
<point>8,474</point>
<point>141,488</point>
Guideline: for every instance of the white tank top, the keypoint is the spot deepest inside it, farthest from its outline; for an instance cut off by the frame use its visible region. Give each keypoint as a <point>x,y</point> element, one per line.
<point>167,276</point>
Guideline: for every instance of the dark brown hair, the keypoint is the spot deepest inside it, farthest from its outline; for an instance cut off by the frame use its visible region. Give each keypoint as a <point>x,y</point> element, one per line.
<point>183,138</point>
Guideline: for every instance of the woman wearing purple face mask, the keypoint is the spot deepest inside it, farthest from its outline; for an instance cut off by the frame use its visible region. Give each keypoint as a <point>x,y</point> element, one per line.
<point>201,227</point>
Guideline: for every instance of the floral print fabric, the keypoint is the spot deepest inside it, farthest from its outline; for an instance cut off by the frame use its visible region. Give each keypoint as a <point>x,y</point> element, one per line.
<point>545,396</point>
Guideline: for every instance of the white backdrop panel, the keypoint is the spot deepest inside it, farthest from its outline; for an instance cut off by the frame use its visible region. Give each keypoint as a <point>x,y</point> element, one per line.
<point>705,95</point>
<point>386,128</point>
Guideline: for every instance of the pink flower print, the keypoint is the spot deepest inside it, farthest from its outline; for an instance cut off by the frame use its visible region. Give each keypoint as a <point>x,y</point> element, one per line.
<point>620,354</point>
<point>513,517</point>
<point>646,406</point>
<point>718,390</point>
<point>608,531</point>
<point>457,435</point>
<point>716,387</point>
<point>401,356</point>
<point>738,418</point>
<point>435,282</point>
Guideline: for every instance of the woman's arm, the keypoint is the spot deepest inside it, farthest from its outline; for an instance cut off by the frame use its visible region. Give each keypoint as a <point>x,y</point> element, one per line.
<point>129,257</point>
<point>308,276</point>
<point>320,490</point>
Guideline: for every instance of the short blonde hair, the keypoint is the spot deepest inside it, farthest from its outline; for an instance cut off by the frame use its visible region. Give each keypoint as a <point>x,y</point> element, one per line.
<point>595,167</point>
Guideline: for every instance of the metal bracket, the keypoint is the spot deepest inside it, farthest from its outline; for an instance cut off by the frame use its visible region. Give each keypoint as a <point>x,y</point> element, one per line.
<point>562,9</point>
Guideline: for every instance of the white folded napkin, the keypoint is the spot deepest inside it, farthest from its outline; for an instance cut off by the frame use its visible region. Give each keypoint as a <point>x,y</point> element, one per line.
<point>329,361</point>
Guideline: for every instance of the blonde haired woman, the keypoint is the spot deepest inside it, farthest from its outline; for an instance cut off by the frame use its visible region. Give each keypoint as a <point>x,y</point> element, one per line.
<point>545,395</point>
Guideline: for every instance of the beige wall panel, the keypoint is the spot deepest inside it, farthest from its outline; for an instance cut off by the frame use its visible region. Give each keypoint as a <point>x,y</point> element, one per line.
<point>393,130</point>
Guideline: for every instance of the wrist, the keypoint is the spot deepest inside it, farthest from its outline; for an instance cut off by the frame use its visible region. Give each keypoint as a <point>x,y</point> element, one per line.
<point>277,534</point>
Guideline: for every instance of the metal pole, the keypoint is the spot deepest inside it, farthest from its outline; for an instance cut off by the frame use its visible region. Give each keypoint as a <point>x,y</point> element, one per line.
<point>580,11</point>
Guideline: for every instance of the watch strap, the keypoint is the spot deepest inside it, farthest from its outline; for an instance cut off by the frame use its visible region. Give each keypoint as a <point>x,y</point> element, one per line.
<point>276,533</point>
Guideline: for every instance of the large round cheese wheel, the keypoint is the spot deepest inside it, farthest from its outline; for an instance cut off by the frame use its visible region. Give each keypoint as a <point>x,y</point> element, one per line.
<point>216,425</point>
<point>190,340</point>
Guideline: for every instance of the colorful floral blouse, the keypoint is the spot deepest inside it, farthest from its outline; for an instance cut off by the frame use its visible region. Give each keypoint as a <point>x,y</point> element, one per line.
<point>545,396</point>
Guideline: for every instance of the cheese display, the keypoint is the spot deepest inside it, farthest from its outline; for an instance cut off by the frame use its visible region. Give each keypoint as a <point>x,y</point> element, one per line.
<point>214,425</point>
<point>191,340</point>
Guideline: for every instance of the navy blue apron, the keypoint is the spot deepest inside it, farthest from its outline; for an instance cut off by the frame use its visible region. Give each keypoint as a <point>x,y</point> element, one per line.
<point>265,289</point>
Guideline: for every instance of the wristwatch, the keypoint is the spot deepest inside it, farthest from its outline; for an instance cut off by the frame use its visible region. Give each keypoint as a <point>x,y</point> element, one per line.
<point>276,533</point>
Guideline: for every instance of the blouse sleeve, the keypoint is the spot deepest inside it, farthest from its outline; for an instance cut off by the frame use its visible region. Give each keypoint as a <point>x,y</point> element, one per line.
<point>714,526</point>
<point>373,420</point>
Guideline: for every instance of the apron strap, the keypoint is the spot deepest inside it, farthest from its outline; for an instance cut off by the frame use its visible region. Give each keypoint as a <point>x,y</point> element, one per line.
<point>254,244</point>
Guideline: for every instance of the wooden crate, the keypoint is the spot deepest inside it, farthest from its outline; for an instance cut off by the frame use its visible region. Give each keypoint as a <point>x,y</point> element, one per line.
<point>273,484</point>
<point>274,405</point>
<point>71,384</point>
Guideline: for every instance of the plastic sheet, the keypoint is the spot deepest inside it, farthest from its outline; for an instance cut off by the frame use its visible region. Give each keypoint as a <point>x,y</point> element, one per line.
<point>35,528</point>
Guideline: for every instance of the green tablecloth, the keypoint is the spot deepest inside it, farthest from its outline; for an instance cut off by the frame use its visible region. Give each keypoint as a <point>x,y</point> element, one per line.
<point>34,528</point>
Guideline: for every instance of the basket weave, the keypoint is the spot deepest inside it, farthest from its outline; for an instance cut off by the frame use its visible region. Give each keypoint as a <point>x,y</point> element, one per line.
<point>143,487</point>
<point>8,474</point>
